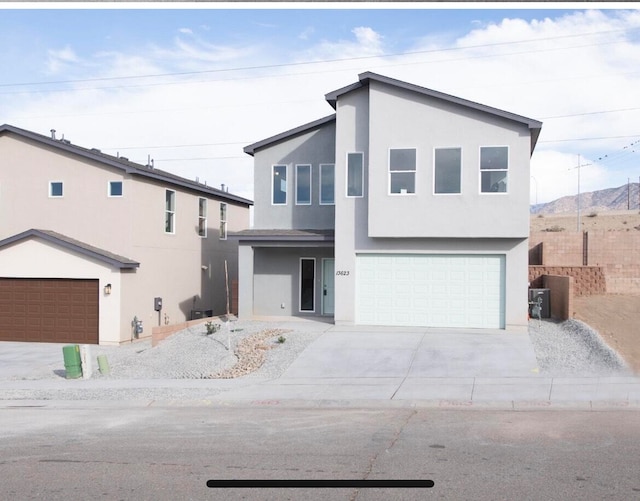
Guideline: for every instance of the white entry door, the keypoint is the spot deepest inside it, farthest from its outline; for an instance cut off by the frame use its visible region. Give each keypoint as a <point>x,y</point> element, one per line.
<point>431,290</point>
<point>328,286</point>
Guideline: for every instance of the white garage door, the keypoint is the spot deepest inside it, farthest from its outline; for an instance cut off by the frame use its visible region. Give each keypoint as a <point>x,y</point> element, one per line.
<point>430,290</point>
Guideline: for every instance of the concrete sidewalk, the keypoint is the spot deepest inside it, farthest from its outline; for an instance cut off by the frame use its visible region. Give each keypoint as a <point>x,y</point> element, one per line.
<point>354,366</point>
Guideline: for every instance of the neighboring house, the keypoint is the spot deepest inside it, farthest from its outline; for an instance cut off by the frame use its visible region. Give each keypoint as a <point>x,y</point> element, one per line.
<point>406,207</point>
<point>88,241</point>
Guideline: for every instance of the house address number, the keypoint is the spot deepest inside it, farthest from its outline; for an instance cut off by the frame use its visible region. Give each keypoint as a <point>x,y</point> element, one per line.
<point>342,273</point>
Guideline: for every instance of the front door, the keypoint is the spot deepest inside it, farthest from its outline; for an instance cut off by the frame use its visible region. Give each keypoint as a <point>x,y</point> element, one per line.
<point>328,287</point>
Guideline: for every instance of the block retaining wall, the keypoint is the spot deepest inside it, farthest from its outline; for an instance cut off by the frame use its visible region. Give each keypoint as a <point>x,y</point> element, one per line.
<point>587,280</point>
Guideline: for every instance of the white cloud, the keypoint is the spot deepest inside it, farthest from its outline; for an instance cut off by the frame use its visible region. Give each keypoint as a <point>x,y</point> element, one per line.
<point>186,31</point>
<point>60,58</point>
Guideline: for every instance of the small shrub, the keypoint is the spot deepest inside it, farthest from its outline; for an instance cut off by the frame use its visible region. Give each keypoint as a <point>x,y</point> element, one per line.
<point>540,216</point>
<point>281,339</point>
<point>555,228</point>
<point>211,328</point>
<point>592,214</point>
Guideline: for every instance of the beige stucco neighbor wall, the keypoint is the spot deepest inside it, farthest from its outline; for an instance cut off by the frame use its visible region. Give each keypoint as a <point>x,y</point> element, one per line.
<point>37,259</point>
<point>186,270</point>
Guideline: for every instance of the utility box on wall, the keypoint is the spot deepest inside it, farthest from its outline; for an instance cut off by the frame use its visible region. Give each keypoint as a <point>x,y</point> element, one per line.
<point>545,294</point>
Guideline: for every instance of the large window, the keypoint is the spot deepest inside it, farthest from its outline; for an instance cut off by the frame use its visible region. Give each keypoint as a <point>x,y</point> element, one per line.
<point>494,166</point>
<point>355,174</point>
<point>303,185</point>
<point>56,189</point>
<point>402,171</point>
<point>447,169</point>
<point>327,184</point>
<point>169,211</point>
<point>279,196</point>
<point>223,221</point>
<point>202,217</point>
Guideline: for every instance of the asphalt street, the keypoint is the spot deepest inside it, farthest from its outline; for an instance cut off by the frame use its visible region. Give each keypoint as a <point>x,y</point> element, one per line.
<point>85,450</point>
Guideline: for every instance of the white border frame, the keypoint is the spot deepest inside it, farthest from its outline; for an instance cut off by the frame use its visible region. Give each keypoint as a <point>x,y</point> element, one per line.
<point>320,202</point>
<point>109,195</point>
<point>206,217</point>
<point>223,221</point>
<point>389,171</point>
<point>51,195</point>
<point>175,203</point>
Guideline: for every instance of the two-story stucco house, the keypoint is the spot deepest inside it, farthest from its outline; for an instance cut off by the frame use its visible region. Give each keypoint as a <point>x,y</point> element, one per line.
<point>88,241</point>
<point>406,207</point>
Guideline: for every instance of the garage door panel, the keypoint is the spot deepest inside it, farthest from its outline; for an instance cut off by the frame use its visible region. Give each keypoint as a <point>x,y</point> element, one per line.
<point>49,310</point>
<point>430,290</point>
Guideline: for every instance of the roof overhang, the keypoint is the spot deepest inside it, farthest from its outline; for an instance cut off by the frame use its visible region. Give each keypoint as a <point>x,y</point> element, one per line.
<point>73,245</point>
<point>305,237</point>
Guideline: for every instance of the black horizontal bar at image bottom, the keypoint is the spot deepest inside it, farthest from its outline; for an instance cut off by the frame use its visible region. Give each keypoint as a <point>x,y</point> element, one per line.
<point>320,484</point>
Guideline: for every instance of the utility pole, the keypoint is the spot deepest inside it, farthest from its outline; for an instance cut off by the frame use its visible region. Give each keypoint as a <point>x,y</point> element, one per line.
<point>578,167</point>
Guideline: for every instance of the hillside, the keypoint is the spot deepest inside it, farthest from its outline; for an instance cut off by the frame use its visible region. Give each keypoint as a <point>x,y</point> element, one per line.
<point>590,220</point>
<point>622,198</point>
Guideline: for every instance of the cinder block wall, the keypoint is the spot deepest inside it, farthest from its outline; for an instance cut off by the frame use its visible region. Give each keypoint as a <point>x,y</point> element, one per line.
<point>617,253</point>
<point>587,280</point>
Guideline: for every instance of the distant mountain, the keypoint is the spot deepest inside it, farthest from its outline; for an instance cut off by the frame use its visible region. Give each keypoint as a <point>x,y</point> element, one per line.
<point>621,198</point>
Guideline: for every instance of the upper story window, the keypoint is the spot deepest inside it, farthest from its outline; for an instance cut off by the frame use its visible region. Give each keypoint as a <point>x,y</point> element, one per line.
<point>355,174</point>
<point>447,170</point>
<point>303,185</point>
<point>494,167</point>
<point>279,185</point>
<point>115,188</point>
<point>402,171</point>
<point>202,217</point>
<point>169,211</point>
<point>56,189</point>
<point>223,221</point>
<point>327,184</point>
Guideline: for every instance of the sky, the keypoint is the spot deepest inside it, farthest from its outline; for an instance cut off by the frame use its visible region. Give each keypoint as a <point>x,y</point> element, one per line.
<point>189,88</point>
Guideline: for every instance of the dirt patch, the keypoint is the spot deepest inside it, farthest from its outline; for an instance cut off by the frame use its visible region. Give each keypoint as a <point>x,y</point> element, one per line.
<point>589,221</point>
<point>615,317</point>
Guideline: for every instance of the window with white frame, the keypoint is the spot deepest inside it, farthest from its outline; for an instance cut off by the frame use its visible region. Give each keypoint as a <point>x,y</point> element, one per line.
<point>115,188</point>
<point>169,211</point>
<point>223,221</point>
<point>355,174</point>
<point>494,168</point>
<point>303,184</point>
<point>202,217</point>
<point>402,171</point>
<point>56,189</point>
<point>327,184</point>
<point>447,171</point>
<point>279,185</point>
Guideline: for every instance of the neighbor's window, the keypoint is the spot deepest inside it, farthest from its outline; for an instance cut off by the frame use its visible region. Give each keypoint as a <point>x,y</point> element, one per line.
<point>355,174</point>
<point>494,166</point>
<point>447,170</point>
<point>56,189</point>
<point>115,188</point>
<point>402,171</point>
<point>279,185</point>
<point>223,221</point>
<point>169,211</point>
<point>202,217</point>
<point>327,184</point>
<point>303,185</point>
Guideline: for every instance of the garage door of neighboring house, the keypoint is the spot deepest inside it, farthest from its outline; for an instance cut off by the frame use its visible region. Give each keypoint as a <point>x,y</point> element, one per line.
<point>49,310</point>
<point>431,290</point>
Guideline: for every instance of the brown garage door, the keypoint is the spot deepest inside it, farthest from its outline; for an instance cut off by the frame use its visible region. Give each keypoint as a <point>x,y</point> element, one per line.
<point>49,310</point>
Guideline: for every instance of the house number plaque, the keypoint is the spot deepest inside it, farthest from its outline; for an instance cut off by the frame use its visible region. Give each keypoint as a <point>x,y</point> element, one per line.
<point>342,273</point>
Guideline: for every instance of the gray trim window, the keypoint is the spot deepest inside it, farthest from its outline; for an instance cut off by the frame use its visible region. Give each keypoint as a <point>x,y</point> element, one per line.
<point>223,221</point>
<point>355,174</point>
<point>279,185</point>
<point>447,171</point>
<point>494,169</point>
<point>202,217</point>
<point>115,189</point>
<point>402,171</point>
<point>307,284</point>
<point>303,184</point>
<point>327,184</point>
<point>56,189</point>
<point>169,211</point>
